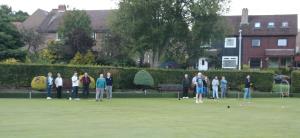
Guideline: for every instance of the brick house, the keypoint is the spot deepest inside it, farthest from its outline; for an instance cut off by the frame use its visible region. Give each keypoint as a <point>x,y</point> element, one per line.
<point>268,41</point>
<point>47,24</point>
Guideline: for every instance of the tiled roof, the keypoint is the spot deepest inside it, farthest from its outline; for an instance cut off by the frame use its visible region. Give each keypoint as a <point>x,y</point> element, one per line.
<point>279,52</point>
<point>234,24</point>
<point>35,20</point>
<point>51,22</point>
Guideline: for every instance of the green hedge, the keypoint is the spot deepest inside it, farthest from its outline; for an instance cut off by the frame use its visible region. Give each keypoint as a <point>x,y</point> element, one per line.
<point>20,75</point>
<point>295,82</point>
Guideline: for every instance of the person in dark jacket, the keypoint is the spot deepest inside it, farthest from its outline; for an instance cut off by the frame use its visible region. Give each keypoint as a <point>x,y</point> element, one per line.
<point>247,87</point>
<point>185,86</point>
<point>109,83</point>
<point>204,86</point>
<point>85,80</point>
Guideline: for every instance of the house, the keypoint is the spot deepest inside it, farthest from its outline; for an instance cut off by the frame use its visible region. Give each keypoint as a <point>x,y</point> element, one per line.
<point>267,41</point>
<point>47,24</point>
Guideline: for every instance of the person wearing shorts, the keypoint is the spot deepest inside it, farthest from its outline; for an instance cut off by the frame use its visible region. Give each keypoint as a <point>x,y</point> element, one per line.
<point>199,88</point>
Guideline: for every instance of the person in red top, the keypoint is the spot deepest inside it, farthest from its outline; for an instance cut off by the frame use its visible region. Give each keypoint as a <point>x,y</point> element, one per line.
<point>85,80</point>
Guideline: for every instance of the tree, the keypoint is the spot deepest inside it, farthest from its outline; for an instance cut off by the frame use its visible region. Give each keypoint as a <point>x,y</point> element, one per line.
<point>78,59</point>
<point>13,16</point>
<point>163,26</point>
<point>89,58</point>
<point>10,38</point>
<point>77,33</point>
<point>32,39</point>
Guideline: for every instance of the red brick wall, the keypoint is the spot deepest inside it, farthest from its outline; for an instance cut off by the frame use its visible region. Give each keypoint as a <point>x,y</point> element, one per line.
<point>265,43</point>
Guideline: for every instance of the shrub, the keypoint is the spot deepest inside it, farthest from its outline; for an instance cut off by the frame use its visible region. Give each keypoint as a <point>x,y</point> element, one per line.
<point>21,75</point>
<point>39,83</point>
<point>295,88</point>
<point>143,78</point>
<point>10,61</point>
<point>92,84</point>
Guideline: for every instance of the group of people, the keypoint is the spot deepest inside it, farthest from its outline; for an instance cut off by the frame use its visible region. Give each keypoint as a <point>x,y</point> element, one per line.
<point>201,86</point>
<point>102,84</point>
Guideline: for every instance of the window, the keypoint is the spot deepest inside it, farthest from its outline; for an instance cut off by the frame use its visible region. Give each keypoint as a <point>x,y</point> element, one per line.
<point>284,24</point>
<point>257,25</point>
<point>59,36</point>
<point>282,42</point>
<point>271,25</point>
<point>94,35</point>
<point>255,62</point>
<point>230,42</point>
<point>229,62</point>
<point>255,42</point>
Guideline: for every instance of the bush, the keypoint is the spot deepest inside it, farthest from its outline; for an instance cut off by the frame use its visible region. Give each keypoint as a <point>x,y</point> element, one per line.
<point>92,84</point>
<point>39,83</point>
<point>143,78</point>
<point>295,88</point>
<point>21,74</point>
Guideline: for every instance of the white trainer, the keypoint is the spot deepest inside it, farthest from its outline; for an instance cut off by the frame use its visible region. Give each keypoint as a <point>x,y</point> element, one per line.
<point>49,98</point>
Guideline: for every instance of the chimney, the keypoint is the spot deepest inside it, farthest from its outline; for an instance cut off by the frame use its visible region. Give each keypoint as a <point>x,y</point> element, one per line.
<point>244,18</point>
<point>62,8</point>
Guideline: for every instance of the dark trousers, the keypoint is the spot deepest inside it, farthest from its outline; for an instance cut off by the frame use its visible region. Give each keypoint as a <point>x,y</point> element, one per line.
<point>58,94</point>
<point>75,92</point>
<point>194,91</point>
<point>185,91</point>
<point>86,90</point>
<point>49,90</point>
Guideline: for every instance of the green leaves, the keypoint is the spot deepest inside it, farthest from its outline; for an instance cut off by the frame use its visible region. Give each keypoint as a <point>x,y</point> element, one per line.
<point>143,78</point>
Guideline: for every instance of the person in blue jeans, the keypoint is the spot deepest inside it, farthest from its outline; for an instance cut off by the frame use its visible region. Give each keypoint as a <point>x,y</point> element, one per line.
<point>199,88</point>
<point>247,94</point>
<point>49,85</point>
<point>223,87</point>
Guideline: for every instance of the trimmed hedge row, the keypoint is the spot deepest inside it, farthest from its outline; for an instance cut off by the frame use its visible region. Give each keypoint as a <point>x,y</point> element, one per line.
<point>295,82</point>
<point>20,75</point>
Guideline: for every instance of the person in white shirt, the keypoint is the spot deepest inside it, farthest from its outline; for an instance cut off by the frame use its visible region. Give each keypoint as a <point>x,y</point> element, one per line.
<point>215,86</point>
<point>58,83</point>
<point>75,84</point>
<point>49,85</point>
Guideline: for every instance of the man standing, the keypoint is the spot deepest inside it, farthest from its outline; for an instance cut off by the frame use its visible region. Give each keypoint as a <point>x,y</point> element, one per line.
<point>215,86</point>
<point>49,85</point>
<point>185,86</point>
<point>247,88</point>
<point>223,87</point>
<point>109,84</point>
<point>199,88</point>
<point>194,85</point>
<point>85,80</point>
<point>75,84</point>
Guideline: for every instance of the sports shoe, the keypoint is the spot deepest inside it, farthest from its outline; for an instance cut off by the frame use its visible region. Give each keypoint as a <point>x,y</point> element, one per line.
<point>49,98</point>
<point>197,102</point>
<point>77,99</point>
<point>200,101</point>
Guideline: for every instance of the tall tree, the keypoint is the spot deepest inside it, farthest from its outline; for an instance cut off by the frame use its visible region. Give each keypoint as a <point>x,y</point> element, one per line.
<point>168,27</point>
<point>10,38</point>
<point>14,16</point>
<point>32,39</point>
<point>76,32</point>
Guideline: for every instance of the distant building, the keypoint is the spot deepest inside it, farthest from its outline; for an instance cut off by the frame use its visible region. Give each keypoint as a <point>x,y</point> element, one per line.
<point>47,24</point>
<point>268,41</point>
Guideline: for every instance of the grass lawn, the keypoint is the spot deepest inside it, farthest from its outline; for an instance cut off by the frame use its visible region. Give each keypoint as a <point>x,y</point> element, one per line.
<point>161,117</point>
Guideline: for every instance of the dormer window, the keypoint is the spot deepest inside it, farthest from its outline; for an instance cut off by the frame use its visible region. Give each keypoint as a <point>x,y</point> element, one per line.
<point>257,25</point>
<point>271,25</point>
<point>284,24</point>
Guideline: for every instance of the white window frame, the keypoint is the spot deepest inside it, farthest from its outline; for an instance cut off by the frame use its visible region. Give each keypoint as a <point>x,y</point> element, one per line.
<point>285,24</point>
<point>230,46</point>
<point>257,25</point>
<point>271,24</point>
<point>229,58</point>
<point>282,42</point>
<point>258,42</point>
<point>57,37</point>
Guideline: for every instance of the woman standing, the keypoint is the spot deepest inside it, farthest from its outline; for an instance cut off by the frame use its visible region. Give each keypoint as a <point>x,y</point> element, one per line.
<point>58,84</point>
<point>49,85</point>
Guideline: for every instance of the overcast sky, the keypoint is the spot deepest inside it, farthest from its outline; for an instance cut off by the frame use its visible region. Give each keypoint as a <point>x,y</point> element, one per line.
<point>256,7</point>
